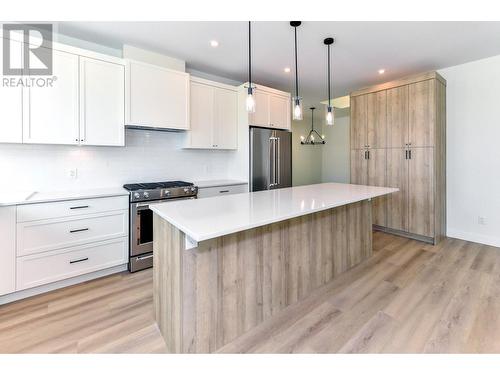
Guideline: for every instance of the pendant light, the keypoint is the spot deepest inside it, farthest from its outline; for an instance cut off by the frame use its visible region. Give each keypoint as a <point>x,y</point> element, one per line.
<point>330,118</point>
<point>250,100</point>
<point>296,100</point>
<point>313,134</point>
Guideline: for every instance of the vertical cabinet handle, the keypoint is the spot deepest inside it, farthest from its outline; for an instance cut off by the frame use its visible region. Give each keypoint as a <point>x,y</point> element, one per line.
<point>406,154</point>
<point>409,154</point>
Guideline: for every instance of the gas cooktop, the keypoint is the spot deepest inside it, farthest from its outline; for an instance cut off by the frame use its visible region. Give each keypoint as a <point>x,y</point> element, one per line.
<point>140,192</point>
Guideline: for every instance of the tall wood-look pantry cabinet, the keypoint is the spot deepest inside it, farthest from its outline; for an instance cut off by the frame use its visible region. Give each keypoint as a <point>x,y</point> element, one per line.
<point>398,139</point>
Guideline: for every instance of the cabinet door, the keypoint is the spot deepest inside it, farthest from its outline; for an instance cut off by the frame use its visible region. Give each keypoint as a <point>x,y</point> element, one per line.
<point>359,167</point>
<point>51,113</point>
<point>202,116</point>
<point>11,113</point>
<point>102,103</point>
<point>397,177</point>
<point>262,109</point>
<point>158,97</point>
<point>279,111</point>
<point>397,117</point>
<point>421,191</point>
<point>376,119</point>
<point>422,113</point>
<point>377,160</point>
<point>7,249</point>
<point>358,122</point>
<point>225,128</point>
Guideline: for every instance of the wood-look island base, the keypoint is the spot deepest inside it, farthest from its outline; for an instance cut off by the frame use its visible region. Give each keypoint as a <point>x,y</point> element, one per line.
<point>207,296</point>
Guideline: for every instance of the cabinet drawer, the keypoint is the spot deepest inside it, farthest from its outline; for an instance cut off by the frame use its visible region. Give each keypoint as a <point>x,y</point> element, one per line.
<point>42,211</point>
<point>39,269</point>
<point>39,236</point>
<point>221,190</point>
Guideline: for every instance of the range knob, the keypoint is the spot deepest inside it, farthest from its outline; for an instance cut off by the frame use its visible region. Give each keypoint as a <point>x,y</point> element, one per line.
<point>193,189</point>
<point>166,192</point>
<point>137,195</point>
<point>146,194</point>
<point>186,190</point>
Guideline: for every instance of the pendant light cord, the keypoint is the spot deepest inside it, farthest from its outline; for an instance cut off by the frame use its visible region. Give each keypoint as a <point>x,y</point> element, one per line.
<point>249,54</point>
<point>296,64</point>
<point>329,96</point>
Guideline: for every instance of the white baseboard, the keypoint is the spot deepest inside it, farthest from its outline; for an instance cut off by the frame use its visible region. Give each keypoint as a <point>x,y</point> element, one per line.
<point>60,284</point>
<point>473,237</point>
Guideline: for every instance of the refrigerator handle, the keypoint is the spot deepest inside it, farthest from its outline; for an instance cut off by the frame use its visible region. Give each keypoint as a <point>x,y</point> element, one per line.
<point>278,161</point>
<point>272,165</point>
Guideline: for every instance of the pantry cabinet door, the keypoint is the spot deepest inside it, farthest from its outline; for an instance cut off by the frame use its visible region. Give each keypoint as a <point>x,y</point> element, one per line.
<point>102,103</point>
<point>358,122</point>
<point>397,117</point>
<point>376,119</point>
<point>422,113</point>
<point>397,177</point>
<point>11,101</point>
<point>279,112</point>
<point>51,113</point>
<point>225,127</point>
<point>377,166</point>
<point>359,167</point>
<point>421,191</point>
<point>202,116</point>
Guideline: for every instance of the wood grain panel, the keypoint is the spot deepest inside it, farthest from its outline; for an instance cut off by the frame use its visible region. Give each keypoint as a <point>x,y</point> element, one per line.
<point>377,176</point>
<point>397,177</point>
<point>422,113</point>
<point>376,119</point>
<point>208,296</point>
<point>358,122</point>
<point>359,167</point>
<point>440,160</point>
<point>397,117</point>
<point>421,192</point>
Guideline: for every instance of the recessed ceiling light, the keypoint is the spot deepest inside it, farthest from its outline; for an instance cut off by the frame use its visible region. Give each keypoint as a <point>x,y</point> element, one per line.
<point>214,43</point>
<point>381,71</point>
<point>287,70</point>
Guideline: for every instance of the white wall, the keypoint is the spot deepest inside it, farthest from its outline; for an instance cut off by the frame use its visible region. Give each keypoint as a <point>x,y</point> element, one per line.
<point>336,161</point>
<point>148,156</point>
<point>306,159</point>
<point>473,152</point>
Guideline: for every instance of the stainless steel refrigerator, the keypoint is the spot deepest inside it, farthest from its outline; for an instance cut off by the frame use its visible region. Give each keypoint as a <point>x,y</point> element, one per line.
<point>270,159</point>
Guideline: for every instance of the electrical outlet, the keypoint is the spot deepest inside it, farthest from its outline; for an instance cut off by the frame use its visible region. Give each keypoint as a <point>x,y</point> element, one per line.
<point>72,173</point>
<point>481,220</point>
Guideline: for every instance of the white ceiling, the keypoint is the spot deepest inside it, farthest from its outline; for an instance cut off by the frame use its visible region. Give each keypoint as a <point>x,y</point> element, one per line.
<point>360,49</point>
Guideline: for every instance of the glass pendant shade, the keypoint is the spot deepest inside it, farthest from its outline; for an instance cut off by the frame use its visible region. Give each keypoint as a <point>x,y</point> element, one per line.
<point>250,101</point>
<point>297,108</point>
<point>330,118</point>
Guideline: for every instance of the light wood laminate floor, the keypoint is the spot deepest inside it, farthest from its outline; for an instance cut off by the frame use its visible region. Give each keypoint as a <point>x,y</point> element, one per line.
<point>408,298</point>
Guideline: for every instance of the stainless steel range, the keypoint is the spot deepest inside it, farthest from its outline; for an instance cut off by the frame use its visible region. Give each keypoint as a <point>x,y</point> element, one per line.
<point>141,217</point>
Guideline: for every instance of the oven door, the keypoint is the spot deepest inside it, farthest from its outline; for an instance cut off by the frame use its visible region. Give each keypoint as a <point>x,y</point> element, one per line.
<point>141,226</point>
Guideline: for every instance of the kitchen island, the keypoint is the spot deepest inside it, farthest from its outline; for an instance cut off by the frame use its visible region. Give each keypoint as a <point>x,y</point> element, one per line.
<point>223,265</point>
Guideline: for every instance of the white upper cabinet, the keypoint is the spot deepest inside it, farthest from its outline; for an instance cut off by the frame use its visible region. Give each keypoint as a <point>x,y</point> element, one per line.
<point>102,106</point>
<point>11,113</point>
<point>157,97</point>
<point>214,116</point>
<point>51,113</point>
<point>225,129</point>
<point>272,108</point>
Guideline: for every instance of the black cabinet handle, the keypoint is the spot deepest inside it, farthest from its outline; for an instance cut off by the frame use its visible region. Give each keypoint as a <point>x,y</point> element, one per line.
<point>78,230</point>
<point>409,154</point>
<point>223,191</point>
<point>406,155</point>
<point>78,207</point>
<point>78,260</point>
<point>368,154</point>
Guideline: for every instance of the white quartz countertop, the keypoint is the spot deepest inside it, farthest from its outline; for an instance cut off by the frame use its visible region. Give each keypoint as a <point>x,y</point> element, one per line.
<point>203,219</point>
<point>13,198</point>
<point>215,183</point>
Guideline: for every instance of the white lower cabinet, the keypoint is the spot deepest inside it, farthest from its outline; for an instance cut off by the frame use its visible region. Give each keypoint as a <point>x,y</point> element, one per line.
<point>47,242</point>
<point>214,191</point>
<point>44,268</point>
<point>7,250</point>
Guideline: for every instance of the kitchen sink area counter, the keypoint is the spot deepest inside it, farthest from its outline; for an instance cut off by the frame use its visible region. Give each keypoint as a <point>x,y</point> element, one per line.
<point>224,265</point>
